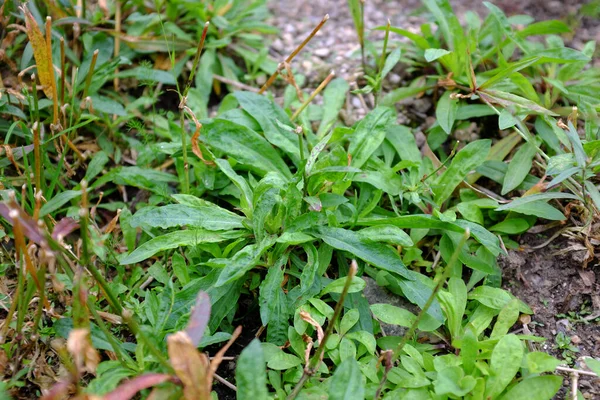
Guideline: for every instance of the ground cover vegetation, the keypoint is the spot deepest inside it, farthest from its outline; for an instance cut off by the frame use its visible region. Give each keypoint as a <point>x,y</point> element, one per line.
<point>173,200</point>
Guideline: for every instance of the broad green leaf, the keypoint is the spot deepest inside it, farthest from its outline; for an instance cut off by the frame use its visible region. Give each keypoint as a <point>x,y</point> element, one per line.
<point>560,55</point>
<point>391,60</point>
<point>593,364</point>
<point>337,286</point>
<point>445,112</point>
<point>469,350</point>
<point>146,74</point>
<point>540,209</point>
<point>349,319</point>
<point>505,362</point>
<point>209,218</point>
<point>378,255</point>
<point>267,113</point>
<point>504,72</point>
<point>452,381</point>
<point>496,298</point>
<point>402,93</point>
<point>519,167</point>
<point>347,382</point>
<point>96,165</point>
<point>404,142</point>
<point>58,201</point>
<point>369,134</point>
<point>173,240</point>
<point>334,98</point>
<point>511,226</point>
<point>536,197</point>
<point>393,315</point>
<point>544,28</point>
<point>538,362</point>
<point>245,145</point>
<point>506,99</point>
<point>273,304</point>
<point>419,40</point>
<point>386,233</point>
<point>506,319</point>
<point>283,361</point>
<point>243,261</point>
<point>535,388</point>
<point>466,160</point>
<point>245,191</point>
<point>266,197</point>
<point>434,54</point>
<point>251,373</point>
<point>108,105</point>
<point>506,119</point>
<point>454,302</point>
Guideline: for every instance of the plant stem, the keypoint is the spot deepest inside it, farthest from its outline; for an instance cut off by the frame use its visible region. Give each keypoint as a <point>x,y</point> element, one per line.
<point>293,54</point>
<point>316,360</point>
<point>313,95</point>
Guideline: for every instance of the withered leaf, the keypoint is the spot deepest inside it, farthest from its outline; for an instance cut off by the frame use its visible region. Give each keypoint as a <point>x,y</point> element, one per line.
<point>43,60</point>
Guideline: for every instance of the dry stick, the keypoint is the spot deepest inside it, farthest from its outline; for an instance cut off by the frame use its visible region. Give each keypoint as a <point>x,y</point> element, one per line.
<point>313,95</point>
<point>294,53</point>
<point>226,383</point>
<point>196,59</point>
<point>55,123</point>
<point>575,376</point>
<point>315,361</point>
<point>117,41</point>
<point>238,85</point>
<point>430,300</point>
<point>579,371</point>
<point>62,71</point>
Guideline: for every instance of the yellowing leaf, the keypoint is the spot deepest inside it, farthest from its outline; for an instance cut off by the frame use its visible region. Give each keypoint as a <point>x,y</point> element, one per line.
<point>40,53</point>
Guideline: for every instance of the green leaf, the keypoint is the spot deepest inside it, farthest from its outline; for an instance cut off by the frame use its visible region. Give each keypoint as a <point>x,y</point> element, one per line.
<point>434,54</point>
<point>243,261</point>
<point>356,10</point>
<point>273,304</point>
<point>402,93</point>
<point>210,218</point>
<point>466,160</point>
<point>544,28</point>
<point>376,254</point>
<point>386,233</point>
<point>593,364</point>
<point>508,70</point>
<point>283,361</point>
<point>190,237</point>
<point>506,99</point>
<point>540,209</point>
<point>393,315</point>
<point>538,362</point>
<point>108,106</point>
<point>245,145</point>
<point>337,286</point>
<point>445,112</point>
<point>519,167</point>
<point>143,73</point>
<point>535,388</point>
<point>96,165</point>
<point>452,380</point>
<point>58,201</point>
<point>349,319</point>
<point>267,113</point>
<point>496,298</point>
<point>334,98</point>
<point>245,191</point>
<point>560,55</point>
<point>391,60</point>
<point>504,364</point>
<point>536,197</point>
<point>347,382</point>
<point>506,319</point>
<point>420,41</point>
<point>251,373</point>
<point>454,302</point>
<point>369,135</point>
<point>511,226</point>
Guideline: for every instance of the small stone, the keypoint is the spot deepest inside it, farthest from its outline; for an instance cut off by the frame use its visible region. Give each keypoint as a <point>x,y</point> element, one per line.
<point>322,52</point>
<point>575,339</point>
<point>394,78</point>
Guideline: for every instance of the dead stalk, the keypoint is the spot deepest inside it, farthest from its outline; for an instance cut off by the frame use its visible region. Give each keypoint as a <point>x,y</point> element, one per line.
<point>293,54</point>
<point>313,95</point>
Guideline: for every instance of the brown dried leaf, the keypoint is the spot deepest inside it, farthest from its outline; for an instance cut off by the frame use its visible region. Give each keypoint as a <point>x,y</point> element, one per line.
<point>63,228</point>
<point>130,388</point>
<point>40,52</point>
<point>28,224</point>
<point>306,317</point>
<point>191,366</point>
<point>84,354</point>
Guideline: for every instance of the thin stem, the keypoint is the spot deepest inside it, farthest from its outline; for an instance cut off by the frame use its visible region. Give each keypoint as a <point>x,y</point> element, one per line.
<point>293,54</point>
<point>186,178</point>
<point>434,293</point>
<point>313,95</point>
<point>63,71</point>
<point>196,59</point>
<point>316,360</point>
<point>37,156</point>
<point>52,80</point>
<point>88,79</point>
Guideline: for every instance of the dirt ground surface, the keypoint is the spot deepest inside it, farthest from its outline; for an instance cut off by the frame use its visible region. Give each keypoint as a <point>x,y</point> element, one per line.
<point>553,277</point>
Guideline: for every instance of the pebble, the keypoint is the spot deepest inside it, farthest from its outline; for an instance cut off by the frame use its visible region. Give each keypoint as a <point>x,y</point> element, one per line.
<point>323,52</point>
